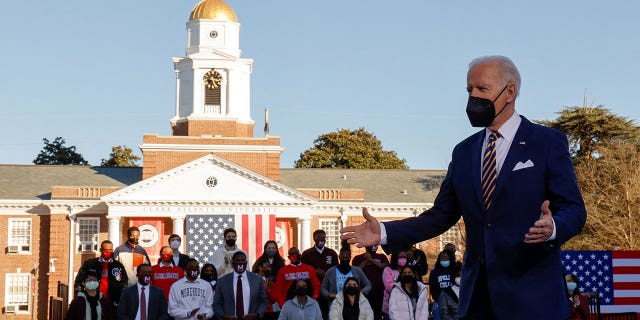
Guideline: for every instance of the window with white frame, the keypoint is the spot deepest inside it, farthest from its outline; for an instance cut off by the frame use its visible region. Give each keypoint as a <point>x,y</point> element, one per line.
<point>332,229</point>
<point>19,235</point>
<point>88,234</point>
<point>16,292</point>
<point>454,235</point>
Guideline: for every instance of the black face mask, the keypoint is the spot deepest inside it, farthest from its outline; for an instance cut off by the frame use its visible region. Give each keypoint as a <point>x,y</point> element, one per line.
<point>230,242</point>
<point>208,277</point>
<point>481,111</point>
<point>407,279</point>
<point>133,241</point>
<point>351,290</point>
<point>301,291</point>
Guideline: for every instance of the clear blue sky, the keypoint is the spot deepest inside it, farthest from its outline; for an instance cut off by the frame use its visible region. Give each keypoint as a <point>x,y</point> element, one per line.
<point>99,73</point>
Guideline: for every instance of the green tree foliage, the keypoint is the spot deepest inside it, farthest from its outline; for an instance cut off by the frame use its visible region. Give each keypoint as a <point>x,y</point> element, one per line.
<point>121,156</point>
<point>610,186</point>
<point>351,149</point>
<point>57,153</point>
<point>588,128</point>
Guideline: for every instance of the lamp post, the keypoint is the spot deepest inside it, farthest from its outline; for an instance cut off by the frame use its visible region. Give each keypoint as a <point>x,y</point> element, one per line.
<point>33,290</point>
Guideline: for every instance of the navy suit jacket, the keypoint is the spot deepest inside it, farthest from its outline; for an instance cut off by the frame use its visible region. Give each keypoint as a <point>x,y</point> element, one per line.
<point>525,280</point>
<point>129,301</point>
<point>224,302</point>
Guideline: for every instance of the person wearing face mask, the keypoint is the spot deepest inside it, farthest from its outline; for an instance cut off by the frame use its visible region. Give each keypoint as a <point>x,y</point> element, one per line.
<point>578,303</point>
<point>273,309</point>
<point>418,260</point>
<point>409,298</point>
<point>390,276</point>
<point>191,297</point>
<point>299,305</point>
<point>209,274</point>
<point>90,304</point>
<point>241,294</point>
<point>440,278</point>
<point>112,276</point>
<point>321,258</point>
<point>165,273</point>
<point>350,303</point>
<point>271,255</point>
<point>336,276</point>
<point>179,259</point>
<point>222,256</point>
<point>373,264</point>
<point>448,300</point>
<point>514,185</point>
<point>142,300</point>
<point>296,270</point>
<point>131,255</point>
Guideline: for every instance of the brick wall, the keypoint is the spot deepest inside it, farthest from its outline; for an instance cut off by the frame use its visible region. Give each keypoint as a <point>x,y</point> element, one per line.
<point>225,128</point>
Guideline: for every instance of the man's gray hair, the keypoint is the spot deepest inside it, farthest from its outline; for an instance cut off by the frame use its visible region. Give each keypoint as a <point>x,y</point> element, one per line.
<point>509,71</point>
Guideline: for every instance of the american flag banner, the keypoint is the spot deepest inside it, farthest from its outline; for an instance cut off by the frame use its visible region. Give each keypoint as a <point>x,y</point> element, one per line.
<point>614,275</point>
<point>205,234</point>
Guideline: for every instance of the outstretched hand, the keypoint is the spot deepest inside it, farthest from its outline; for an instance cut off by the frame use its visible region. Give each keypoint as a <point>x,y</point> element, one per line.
<point>363,235</point>
<point>543,228</point>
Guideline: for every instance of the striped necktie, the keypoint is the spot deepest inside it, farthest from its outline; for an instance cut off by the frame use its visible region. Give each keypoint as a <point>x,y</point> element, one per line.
<point>489,171</point>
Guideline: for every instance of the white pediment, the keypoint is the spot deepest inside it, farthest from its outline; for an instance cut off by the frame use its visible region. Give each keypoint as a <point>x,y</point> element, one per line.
<point>209,179</point>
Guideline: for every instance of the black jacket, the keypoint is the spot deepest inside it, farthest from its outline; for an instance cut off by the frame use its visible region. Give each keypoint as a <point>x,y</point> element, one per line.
<point>117,277</point>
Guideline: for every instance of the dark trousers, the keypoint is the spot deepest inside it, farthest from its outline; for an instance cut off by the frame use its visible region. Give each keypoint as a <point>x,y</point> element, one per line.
<point>480,307</point>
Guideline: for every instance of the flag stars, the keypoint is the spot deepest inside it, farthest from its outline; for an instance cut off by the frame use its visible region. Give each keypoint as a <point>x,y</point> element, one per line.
<point>593,256</point>
<point>599,262</point>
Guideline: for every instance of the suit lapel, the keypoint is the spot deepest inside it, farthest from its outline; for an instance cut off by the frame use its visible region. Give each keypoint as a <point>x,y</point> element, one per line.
<point>517,150</point>
<point>476,167</point>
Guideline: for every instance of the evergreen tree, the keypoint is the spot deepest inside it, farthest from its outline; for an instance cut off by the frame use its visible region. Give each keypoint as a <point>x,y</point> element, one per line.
<point>57,153</point>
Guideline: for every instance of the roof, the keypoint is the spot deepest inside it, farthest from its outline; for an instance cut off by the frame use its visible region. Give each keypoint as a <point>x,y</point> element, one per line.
<point>409,186</point>
<point>30,182</point>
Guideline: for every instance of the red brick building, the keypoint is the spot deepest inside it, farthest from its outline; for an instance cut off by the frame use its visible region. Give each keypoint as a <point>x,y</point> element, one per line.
<point>211,169</point>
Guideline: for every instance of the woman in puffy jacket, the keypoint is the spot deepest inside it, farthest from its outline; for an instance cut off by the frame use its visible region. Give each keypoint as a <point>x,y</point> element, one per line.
<point>390,275</point>
<point>408,299</point>
<point>350,303</point>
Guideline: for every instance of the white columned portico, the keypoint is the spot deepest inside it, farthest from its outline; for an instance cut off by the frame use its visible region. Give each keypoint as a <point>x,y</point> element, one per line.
<point>114,230</point>
<point>178,228</point>
<point>305,233</point>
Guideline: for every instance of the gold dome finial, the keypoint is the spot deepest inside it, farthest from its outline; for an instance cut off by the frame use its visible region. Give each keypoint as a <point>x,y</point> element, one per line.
<point>213,10</point>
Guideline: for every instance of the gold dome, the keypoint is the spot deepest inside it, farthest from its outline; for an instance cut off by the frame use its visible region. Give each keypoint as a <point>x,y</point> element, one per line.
<point>213,10</point>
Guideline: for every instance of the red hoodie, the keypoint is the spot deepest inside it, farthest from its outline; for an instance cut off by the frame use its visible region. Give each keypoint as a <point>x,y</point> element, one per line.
<point>290,273</point>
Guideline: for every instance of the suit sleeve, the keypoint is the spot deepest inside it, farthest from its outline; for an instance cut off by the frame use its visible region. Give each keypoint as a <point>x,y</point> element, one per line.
<point>433,222</point>
<point>217,299</point>
<point>123,305</point>
<point>263,302</point>
<point>566,204</point>
<point>162,312</point>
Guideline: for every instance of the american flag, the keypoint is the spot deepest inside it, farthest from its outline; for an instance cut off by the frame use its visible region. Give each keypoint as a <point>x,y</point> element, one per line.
<point>614,275</point>
<point>205,234</point>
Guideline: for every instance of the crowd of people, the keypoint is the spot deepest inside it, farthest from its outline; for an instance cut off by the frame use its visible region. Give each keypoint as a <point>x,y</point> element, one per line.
<point>318,283</point>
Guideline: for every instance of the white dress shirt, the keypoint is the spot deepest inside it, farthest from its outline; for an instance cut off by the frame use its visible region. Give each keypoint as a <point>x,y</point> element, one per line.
<point>146,295</point>
<point>245,289</point>
<point>507,132</point>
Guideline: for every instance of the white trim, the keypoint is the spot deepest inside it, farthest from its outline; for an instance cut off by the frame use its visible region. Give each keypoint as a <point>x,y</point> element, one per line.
<point>335,221</point>
<point>95,244</point>
<point>27,293</point>
<point>112,198</point>
<point>20,248</point>
<point>209,148</point>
